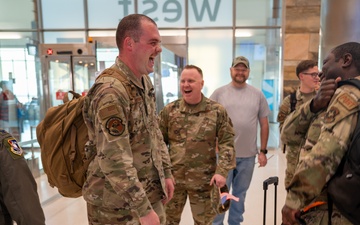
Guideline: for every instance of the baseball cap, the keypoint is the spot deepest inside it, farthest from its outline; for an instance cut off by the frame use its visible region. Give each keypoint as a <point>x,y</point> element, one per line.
<point>216,202</point>
<point>241,59</point>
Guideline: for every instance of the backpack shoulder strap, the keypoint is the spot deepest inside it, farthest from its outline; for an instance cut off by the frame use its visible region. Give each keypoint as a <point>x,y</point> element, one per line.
<point>292,101</point>
<point>353,82</point>
<point>112,72</point>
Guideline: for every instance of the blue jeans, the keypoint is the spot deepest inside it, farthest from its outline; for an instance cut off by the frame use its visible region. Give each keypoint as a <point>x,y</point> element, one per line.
<point>238,181</point>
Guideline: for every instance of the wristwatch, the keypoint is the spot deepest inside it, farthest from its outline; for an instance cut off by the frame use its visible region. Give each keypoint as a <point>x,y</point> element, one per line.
<point>265,151</point>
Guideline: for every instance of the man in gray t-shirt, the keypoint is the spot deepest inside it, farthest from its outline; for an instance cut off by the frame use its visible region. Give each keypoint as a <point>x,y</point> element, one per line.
<point>246,107</point>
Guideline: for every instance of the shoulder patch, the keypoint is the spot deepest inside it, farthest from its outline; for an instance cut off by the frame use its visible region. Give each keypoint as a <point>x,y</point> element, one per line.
<point>347,101</point>
<point>331,114</point>
<point>115,126</point>
<point>14,149</point>
<point>111,110</point>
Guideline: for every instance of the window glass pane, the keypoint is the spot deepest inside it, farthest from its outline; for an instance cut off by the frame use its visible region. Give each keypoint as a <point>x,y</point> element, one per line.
<point>210,13</point>
<point>17,14</point>
<point>262,48</point>
<point>63,14</point>
<point>103,33</point>
<point>106,57</point>
<point>20,110</point>
<point>105,15</point>
<point>64,37</point>
<point>266,12</point>
<point>164,13</point>
<point>216,47</point>
<point>15,38</point>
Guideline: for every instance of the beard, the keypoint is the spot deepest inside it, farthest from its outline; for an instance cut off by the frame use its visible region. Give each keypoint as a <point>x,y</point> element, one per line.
<point>239,79</point>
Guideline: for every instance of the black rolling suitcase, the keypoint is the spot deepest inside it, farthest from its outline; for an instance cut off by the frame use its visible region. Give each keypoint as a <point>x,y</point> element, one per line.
<point>266,183</point>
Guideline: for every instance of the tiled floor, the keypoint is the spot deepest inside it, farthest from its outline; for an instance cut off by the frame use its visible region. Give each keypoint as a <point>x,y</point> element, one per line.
<point>66,211</point>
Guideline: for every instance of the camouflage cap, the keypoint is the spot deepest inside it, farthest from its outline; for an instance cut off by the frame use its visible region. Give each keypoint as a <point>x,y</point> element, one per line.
<point>242,60</point>
<point>216,200</point>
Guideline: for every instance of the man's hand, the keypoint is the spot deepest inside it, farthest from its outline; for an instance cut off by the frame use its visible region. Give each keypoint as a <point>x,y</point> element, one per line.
<point>262,159</point>
<point>219,180</point>
<point>169,188</point>
<point>290,216</point>
<point>324,94</point>
<point>150,219</point>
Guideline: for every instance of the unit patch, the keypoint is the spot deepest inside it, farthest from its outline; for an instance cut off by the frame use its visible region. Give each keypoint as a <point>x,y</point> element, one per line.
<point>108,111</point>
<point>14,148</point>
<point>115,126</point>
<point>347,101</point>
<point>331,114</point>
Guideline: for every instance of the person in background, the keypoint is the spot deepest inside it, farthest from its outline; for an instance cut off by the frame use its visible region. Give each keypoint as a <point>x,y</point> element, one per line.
<point>327,123</point>
<point>130,179</point>
<point>19,200</point>
<point>308,73</point>
<point>11,110</point>
<point>247,107</point>
<point>193,126</point>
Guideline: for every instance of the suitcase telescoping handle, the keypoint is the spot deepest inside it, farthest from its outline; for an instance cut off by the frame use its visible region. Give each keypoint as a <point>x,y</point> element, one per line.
<point>275,181</point>
<point>266,183</point>
<point>270,180</point>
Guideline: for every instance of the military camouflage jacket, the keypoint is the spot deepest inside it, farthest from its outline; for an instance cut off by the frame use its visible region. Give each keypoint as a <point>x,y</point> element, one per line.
<point>132,159</point>
<point>191,132</point>
<point>285,107</point>
<point>292,151</point>
<point>320,157</point>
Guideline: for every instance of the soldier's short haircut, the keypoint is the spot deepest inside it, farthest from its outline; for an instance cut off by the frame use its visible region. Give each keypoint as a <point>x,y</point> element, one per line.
<point>305,65</point>
<point>352,48</point>
<point>130,26</point>
<point>194,67</point>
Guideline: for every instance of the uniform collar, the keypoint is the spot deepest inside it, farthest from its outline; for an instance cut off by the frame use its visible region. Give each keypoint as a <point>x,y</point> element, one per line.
<point>120,65</point>
<point>200,107</point>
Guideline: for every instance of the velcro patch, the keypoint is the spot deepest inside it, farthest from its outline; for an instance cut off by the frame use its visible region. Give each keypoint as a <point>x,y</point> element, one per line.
<point>115,126</point>
<point>111,110</point>
<point>14,149</point>
<point>347,101</point>
<point>331,114</point>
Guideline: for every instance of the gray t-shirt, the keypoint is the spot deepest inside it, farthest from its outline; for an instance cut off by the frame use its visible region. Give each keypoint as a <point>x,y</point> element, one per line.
<point>245,106</point>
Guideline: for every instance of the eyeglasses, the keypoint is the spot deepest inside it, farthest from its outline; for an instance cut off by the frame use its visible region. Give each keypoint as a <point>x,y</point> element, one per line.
<point>314,75</point>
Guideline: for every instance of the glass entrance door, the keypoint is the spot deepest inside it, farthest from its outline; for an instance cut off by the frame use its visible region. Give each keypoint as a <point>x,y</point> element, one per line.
<point>168,68</point>
<point>84,69</point>
<point>166,77</point>
<point>66,67</point>
<point>65,73</point>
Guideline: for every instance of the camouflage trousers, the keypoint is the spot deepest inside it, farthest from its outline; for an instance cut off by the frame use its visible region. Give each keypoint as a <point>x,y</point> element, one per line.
<point>200,204</point>
<point>319,216</point>
<point>102,216</point>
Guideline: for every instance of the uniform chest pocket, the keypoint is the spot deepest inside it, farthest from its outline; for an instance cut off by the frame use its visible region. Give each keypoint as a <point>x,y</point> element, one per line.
<point>177,130</point>
<point>206,128</point>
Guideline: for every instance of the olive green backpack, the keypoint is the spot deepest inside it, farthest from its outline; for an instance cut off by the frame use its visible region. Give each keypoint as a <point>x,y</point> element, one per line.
<point>66,151</point>
<point>62,135</point>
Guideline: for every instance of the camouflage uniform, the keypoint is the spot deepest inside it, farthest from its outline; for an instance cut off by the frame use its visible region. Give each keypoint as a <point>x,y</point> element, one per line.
<point>191,132</point>
<point>19,200</point>
<point>327,139</point>
<point>292,151</point>
<point>127,177</point>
